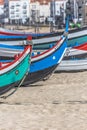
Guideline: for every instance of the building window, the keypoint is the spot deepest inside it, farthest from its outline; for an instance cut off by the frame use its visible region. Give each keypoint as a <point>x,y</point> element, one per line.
<point>17,15</point>
<point>24,12</point>
<point>25,16</point>
<point>80,7</point>
<point>12,7</point>
<point>80,15</point>
<point>17,5</point>
<point>12,12</point>
<point>17,10</point>
<point>12,16</point>
<point>24,6</point>
<point>33,6</point>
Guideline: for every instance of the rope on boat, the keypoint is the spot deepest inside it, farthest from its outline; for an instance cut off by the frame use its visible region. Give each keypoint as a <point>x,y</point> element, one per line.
<point>4,97</point>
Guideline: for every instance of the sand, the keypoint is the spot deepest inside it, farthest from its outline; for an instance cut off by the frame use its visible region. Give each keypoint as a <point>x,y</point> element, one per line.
<point>32,29</point>
<point>59,103</point>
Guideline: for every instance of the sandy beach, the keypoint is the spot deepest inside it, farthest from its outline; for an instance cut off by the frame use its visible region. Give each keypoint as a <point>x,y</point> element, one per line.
<point>32,29</point>
<point>59,103</point>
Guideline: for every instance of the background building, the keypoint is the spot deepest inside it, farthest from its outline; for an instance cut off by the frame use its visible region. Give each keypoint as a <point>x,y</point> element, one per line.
<point>39,10</point>
<point>4,12</point>
<point>84,12</point>
<point>19,11</point>
<point>58,8</point>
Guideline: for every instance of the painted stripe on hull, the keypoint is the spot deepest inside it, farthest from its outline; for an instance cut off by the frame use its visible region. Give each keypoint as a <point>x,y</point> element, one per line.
<point>6,88</point>
<point>39,75</point>
<point>77,41</point>
<point>76,57</point>
<point>73,52</point>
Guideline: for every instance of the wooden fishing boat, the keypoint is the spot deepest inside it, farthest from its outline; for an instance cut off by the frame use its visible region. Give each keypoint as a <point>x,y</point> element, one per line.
<point>71,52</point>
<point>76,52</point>
<point>43,64</point>
<point>11,73</point>
<point>10,38</point>
<point>75,59</point>
<point>72,65</point>
<point>75,36</point>
<point>4,31</point>
<point>76,62</point>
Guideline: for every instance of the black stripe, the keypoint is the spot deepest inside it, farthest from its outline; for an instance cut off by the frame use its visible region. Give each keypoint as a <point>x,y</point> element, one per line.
<point>39,75</point>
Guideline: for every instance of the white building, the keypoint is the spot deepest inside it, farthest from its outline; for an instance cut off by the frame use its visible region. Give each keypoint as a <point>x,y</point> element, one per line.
<point>19,10</point>
<point>44,10</point>
<point>58,8</point>
<point>3,11</point>
<point>1,7</point>
<point>34,11</point>
<point>39,11</point>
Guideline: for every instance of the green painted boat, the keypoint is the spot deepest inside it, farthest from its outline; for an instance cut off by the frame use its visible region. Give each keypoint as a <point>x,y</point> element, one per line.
<point>12,73</point>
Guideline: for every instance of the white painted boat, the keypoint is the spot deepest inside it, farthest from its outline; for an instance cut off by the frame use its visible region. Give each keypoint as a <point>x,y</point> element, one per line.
<point>75,35</point>
<point>76,51</point>
<point>72,65</point>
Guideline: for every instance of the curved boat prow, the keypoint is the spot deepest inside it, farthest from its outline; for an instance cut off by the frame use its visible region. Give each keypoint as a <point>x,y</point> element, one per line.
<point>12,73</point>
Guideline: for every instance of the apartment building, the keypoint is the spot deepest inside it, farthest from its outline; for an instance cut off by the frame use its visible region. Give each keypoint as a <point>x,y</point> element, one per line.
<point>39,10</point>
<point>84,13</point>
<point>4,11</point>
<point>22,11</point>
<point>19,11</point>
<point>78,9</point>
<point>1,7</point>
<point>58,10</point>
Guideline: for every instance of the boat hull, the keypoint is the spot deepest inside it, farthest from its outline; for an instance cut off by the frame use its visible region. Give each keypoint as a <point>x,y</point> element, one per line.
<point>72,66</point>
<point>8,87</point>
<point>45,63</point>
<point>41,68</point>
<point>13,73</point>
<point>39,75</point>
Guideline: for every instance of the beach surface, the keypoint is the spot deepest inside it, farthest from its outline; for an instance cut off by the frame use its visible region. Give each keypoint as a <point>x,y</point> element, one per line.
<point>59,103</point>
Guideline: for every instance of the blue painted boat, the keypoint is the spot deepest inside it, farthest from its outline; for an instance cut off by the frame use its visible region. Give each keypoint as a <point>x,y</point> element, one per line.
<point>11,37</point>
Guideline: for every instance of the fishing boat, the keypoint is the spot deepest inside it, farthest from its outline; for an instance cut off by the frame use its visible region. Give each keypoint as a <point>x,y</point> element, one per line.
<point>79,51</point>
<point>75,59</point>
<point>73,65</point>
<point>71,52</point>
<point>75,37</point>
<point>4,31</point>
<point>12,73</point>
<point>42,64</point>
